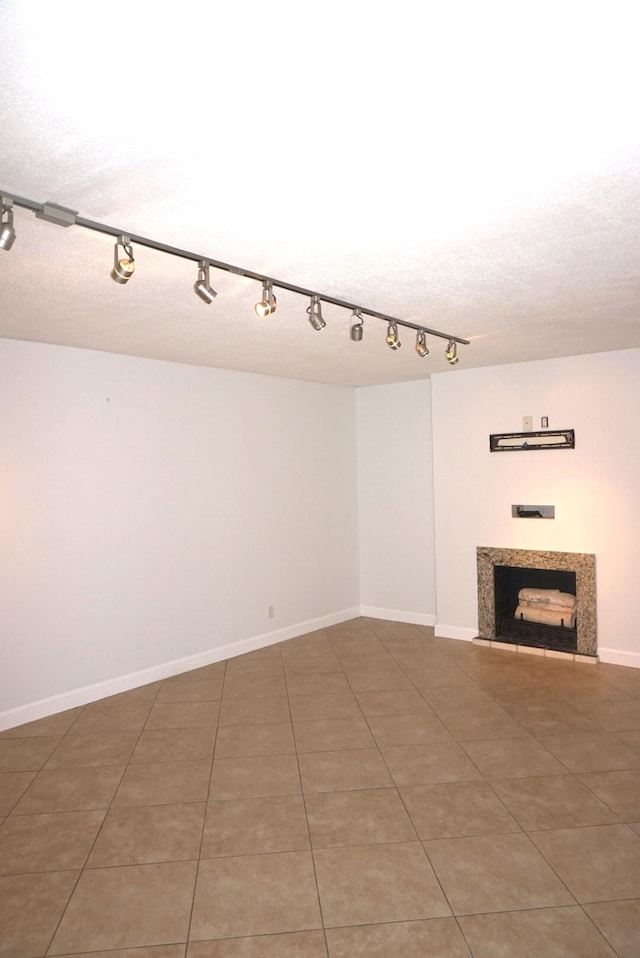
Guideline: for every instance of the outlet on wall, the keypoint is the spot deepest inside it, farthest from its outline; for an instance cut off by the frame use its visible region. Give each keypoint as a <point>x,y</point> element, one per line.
<point>270,611</point>
<point>527,423</point>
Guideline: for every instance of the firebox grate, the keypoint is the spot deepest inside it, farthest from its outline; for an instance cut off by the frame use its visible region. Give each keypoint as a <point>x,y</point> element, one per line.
<point>534,633</point>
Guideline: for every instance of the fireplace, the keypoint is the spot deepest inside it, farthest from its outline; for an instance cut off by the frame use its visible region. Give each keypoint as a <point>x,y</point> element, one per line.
<point>503,572</point>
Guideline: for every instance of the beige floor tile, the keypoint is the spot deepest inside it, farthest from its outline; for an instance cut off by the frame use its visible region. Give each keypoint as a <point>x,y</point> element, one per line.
<point>551,718</point>
<point>46,843</point>
<point>343,770</point>
<point>403,702</point>
<point>254,687</point>
<point>632,739</point>
<point>254,776</point>
<point>183,715</point>
<point>254,711</point>
<point>308,708</point>
<point>144,834</point>
<point>435,938</point>
<point>297,944</point>
<point>12,786</point>
<point>190,690</point>
<point>70,789</point>
<point>255,826</point>
<point>26,754</point>
<point>283,896</point>
<point>174,745</point>
<point>615,716</point>
<point>408,730</point>
<point>143,695</point>
<point>152,904</point>
<point>456,809</point>
<point>234,741</point>
<point>58,724</point>
<point>107,748</point>
<point>30,909</point>
<point>388,680</point>
<point>168,783</point>
<point>513,758</point>
<point>367,661</point>
<point>244,665</point>
<point>421,659</point>
<point>299,662</point>
<point>377,883</point>
<point>115,718</point>
<point>442,678</point>
<point>362,817</point>
<point>495,873</point>
<point>331,734</point>
<point>555,801</point>
<point>317,683</point>
<point>597,863</point>
<point>429,764</point>
<point>529,934</point>
<point>157,951</point>
<point>483,724</point>
<point>619,922</point>
<point>620,791</point>
<point>591,752</point>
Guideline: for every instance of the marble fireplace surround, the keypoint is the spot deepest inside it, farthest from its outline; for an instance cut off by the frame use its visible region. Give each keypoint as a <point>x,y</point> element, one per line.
<point>582,563</point>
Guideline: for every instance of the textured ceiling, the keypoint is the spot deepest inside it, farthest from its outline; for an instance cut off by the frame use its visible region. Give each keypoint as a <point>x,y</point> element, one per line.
<point>472,167</point>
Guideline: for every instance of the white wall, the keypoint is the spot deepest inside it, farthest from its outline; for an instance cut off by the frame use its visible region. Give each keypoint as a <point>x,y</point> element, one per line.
<point>395,501</point>
<point>595,488</point>
<point>150,512</point>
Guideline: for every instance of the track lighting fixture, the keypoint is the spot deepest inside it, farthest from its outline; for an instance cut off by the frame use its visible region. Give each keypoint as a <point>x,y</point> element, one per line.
<point>123,266</point>
<point>268,304</point>
<point>357,326</point>
<point>315,313</point>
<point>393,342</point>
<point>202,286</point>
<point>421,343</point>
<point>7,232</point>
<point>452,353</point>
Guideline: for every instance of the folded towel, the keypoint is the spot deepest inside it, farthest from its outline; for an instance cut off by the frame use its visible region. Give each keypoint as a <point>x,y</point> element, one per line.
<point>539,607</point>
<point>546,597</point>
<point>566,618</point>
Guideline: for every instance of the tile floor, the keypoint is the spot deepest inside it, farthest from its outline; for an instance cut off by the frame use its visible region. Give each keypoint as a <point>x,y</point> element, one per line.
<point>367,790</point>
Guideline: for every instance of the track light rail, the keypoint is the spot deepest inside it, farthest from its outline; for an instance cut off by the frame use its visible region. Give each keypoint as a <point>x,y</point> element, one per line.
<point>63,216</point>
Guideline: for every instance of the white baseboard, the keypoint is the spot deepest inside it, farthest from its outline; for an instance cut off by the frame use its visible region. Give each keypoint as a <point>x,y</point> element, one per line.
<point>443,631</point>
<point>32,711</point>
<point>618,657</point>
<point>397,615</point>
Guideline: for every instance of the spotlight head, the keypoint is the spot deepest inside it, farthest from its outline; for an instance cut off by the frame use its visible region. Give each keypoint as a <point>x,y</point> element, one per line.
<point>421,344</point>
<point>315,314</point>
<point>202,287</point>
<point>392,339</point>
<point>123,266</point>
<point>451,353</point>
<point>7,231</point>
<point>268,304</point>
<point>357,326</point>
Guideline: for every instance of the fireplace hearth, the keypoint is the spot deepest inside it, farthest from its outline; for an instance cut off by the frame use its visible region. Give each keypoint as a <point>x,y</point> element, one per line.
<point>503,572</point>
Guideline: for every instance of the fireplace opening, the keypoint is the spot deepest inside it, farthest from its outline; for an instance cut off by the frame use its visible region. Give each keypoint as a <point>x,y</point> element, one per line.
<point>512,621</point>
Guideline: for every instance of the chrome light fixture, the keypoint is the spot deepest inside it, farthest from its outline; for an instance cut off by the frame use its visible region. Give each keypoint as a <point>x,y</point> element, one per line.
<point>392,339</point>
<point>315,313</point>
<point>452,353</point>
<point>7,231</point>
<point>123,266</point>
<point>357,326</point>
<point>202,286</point>
<point>421,343</point>
<point>268,304</point>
